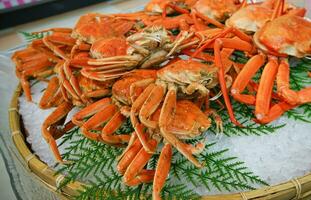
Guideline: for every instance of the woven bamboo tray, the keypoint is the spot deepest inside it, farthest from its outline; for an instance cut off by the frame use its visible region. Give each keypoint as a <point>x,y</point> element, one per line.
<point>299,188</point>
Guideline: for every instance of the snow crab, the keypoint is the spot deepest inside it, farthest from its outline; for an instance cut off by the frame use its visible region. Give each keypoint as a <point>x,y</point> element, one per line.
<point>169,117</point>
<point>145,49</point>
<point>169,6</point>
<point>31,62</point>
<point>113,111</point>
<point>295,44</point>
<point>277,39</point>
<point>183,78</point>
<point>94,26</point>
<point>218,10</point>
<point>65,94</point>
<point>59,41</point>
<point>250,18</point>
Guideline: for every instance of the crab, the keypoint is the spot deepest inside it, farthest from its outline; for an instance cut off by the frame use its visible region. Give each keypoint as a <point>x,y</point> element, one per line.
<point>180,119</point>
<point>276,38</point>
<point>112,111</point>
<point>250,18</point>
<point>59,41</point>
<point>182,78</point>
<point>218,10</point>
<point>60,93</point>
<point>31,62</point>
<point>169,6</point>
<point>145,49</point>
<point>93,26</point>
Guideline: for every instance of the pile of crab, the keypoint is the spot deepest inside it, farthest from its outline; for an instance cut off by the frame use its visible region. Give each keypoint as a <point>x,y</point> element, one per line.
<point>160,68</point>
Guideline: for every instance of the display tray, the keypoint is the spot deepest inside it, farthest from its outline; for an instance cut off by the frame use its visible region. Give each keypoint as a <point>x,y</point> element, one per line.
<point>299,188</point>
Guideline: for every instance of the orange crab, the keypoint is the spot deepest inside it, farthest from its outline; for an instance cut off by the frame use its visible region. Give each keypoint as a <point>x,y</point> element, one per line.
<point>93,26</point>
<point>252,17</point>
<point>31,62</point>
<point>59,41</point>
<point>169,6</point>
<point>276,38</point>
<point>113,110</point>
<point>66,92</point>
<point>218,10</point>
<point>180,119</point>
<point>145,49</point>
<point>182,78</point>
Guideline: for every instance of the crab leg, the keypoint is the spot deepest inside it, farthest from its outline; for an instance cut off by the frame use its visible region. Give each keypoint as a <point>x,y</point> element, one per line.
<point>136,167</point>
<point>234,44</point>
<point>174,7</point>
<point>103,76</point>
<point>278,10</point>
<point>112,126</point>
<point>66,86</point>
<point>275,112</point>
<point>162,171</point>
<point>244,77</point>
<point>209,20</point>
<point>54,48</point>
<point>71,78</point>
<point>168,108</point>
<point>97,93</point>
<point>139,84</point>
<point>63,30</point>
<point>26,87</point>
<point>290,96</point>
<point>50,92</point>
<point>90,110</point>
<point>263,97</point>
<point>98,119</point>
<point>128,155</point>
<point>150,106</point>
<point>61,111</point>
<point>136,106</point>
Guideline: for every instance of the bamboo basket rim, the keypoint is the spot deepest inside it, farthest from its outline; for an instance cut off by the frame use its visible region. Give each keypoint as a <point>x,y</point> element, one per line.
<point>298,188</point>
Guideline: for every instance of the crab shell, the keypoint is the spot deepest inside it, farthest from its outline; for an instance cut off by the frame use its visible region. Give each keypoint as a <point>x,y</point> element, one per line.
<point>288,34</point>
<point>194,121</point>
<point>108,47</point>
<point>250,18</point>
<point>121,88</point>
<point>157,6</point>
<point>216,9</point>
<point>93,26</point>
<point>184,72</point>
